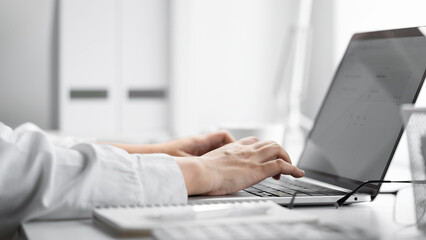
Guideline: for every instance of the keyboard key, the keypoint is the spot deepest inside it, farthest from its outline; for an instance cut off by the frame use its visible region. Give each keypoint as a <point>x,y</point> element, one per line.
<point>281,194</point>
<point>287,187</point>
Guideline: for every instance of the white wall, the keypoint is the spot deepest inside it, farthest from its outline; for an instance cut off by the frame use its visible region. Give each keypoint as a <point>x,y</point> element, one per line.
<point>27,62</point>
<point>225,57</point>
<point>322,59</point>
<point>371,15</point>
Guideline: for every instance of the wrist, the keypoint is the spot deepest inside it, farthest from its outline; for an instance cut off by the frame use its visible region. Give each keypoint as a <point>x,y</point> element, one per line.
<point>196,176</point>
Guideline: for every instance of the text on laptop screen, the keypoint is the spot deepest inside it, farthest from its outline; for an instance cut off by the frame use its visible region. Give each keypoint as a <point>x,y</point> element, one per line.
<point>356,130</point>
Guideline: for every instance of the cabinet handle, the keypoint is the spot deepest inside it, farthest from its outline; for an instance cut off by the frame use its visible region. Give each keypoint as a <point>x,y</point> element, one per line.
<point>137,94</point>
<point>89,94</point>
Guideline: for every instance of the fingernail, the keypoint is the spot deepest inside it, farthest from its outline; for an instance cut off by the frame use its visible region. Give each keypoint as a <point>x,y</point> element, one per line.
<point>302,171</point>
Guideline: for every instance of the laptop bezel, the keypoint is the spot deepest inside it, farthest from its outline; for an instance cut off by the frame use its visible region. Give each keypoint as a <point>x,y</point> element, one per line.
<point>348,183</point>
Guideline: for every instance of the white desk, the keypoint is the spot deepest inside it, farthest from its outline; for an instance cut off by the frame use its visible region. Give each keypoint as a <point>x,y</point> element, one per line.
<point>374,216</point>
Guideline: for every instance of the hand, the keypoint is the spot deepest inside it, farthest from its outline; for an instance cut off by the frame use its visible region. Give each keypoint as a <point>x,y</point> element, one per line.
<point>197,145</point>
<point>235,166</point>
<point>184,147</point>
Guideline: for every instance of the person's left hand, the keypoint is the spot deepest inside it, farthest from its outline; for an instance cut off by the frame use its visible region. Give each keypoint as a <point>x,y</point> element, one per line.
<point>183,147</point>
<point>196,145</point>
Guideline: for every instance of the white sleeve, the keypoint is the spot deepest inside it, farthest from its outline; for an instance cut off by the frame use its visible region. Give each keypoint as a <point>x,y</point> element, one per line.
<point>39,180</point>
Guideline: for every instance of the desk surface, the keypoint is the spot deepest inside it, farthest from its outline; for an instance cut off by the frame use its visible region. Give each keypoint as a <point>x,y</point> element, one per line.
<point>374,216</point>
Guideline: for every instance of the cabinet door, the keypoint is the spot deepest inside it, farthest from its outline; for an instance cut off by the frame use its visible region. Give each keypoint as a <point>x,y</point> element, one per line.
<point>144,116</point>
<point>144,71</point>
<point>88,66</point>
<point>113,67</point>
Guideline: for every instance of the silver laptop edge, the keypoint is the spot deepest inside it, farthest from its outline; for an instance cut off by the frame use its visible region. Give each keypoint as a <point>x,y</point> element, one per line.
<point>302,200</point>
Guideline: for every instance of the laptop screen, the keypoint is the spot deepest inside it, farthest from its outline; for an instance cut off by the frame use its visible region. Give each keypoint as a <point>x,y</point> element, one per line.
<point>358,126</point>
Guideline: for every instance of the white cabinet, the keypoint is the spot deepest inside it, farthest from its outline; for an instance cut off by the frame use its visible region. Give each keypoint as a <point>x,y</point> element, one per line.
<point>113,67</point>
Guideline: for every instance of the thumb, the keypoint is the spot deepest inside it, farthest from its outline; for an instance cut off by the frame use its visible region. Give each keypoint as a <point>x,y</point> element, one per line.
<point>218,139</point>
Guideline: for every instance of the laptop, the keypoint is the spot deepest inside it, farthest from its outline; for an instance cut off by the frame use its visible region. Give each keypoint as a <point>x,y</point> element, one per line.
<point>358,126</point>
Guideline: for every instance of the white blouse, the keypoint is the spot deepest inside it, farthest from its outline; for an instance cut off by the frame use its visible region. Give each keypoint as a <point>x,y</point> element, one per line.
<point>42,178</point>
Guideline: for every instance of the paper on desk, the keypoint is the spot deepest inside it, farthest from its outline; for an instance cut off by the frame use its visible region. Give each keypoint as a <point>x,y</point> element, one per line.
<point>143,220</point>
<point>264,231</point>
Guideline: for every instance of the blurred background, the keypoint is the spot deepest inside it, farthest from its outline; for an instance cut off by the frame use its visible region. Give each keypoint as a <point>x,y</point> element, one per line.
<point>147,70</point>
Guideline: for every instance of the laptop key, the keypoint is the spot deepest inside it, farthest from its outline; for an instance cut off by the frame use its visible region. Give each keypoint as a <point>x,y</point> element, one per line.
<point>254,191</point>
<point>281,194</point>
<point>263,188</point>
<point>266,194</point>
<point>288,188</point>
<point>250,189</point>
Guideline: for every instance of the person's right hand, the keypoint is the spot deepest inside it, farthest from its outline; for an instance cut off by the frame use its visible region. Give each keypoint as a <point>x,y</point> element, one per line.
<point>235,166</point>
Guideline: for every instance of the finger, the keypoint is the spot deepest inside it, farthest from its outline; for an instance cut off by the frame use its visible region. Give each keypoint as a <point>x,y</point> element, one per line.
<point>273,151</point>
<point>224,136</point>
<point>248,140</point>
<point>279,166</point>
<point>261,144</point>
<point>217,139</point>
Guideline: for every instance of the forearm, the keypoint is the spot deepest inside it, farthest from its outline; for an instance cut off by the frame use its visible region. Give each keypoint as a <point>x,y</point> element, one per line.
<point>57,182</point>
<point>191,167</point>
<point>183,147</point>
<point>140,148</point>
<point>196,175</point>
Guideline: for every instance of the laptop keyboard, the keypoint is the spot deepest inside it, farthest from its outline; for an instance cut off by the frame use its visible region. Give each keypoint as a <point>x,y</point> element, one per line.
<point>287,187</point>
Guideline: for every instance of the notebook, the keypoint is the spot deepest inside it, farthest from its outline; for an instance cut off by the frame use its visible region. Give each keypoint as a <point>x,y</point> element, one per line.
<point>358,126</point>
<point>142,220</point>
